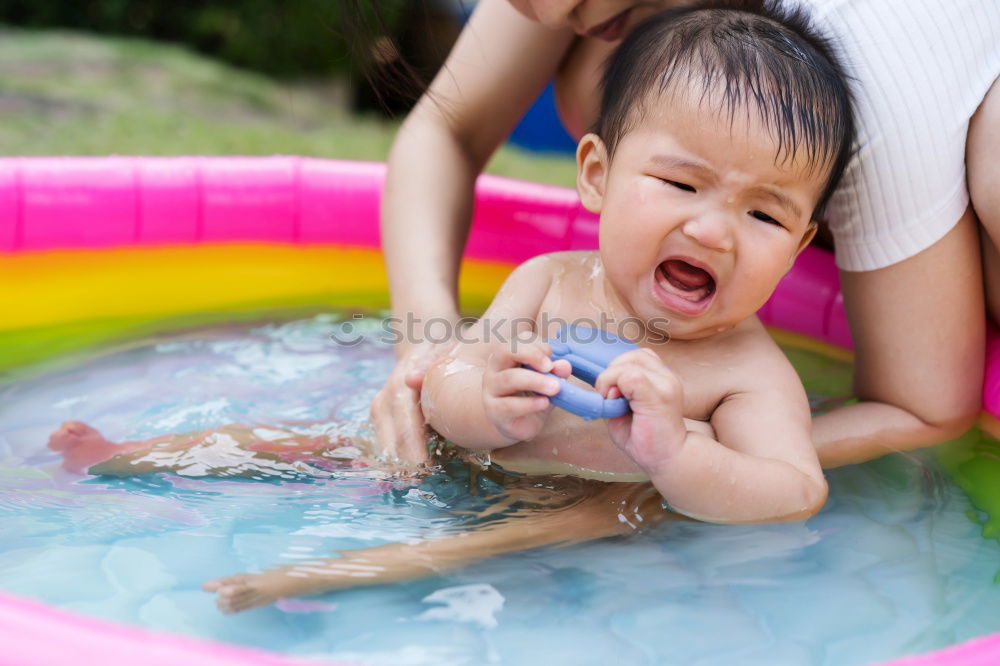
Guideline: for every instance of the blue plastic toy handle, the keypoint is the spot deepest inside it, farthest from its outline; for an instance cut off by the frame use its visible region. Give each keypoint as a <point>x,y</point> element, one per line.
<point>589,351</point>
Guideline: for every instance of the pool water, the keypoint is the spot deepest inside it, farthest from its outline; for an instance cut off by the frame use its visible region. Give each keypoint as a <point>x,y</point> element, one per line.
<point>894,564</point>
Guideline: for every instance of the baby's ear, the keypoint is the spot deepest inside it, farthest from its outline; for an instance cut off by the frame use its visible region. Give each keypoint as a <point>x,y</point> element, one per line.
<point>591,171</point>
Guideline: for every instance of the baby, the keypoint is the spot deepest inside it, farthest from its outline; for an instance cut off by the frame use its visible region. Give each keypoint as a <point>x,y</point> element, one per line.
<point>721,135</point>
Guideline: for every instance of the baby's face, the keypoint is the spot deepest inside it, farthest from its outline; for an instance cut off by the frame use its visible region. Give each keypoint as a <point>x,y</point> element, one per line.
<point>699,220</point>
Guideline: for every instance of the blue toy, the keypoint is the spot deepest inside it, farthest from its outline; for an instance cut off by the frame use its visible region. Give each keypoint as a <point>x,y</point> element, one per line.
<point>589,351</point>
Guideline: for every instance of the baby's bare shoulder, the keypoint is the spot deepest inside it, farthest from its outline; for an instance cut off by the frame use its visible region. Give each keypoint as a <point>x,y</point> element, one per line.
<point>556,264</point>
<point>570,260</point>
<point>756,360</point>
<point>745,355</point>
<point>543,268</point>
<point>560,269</point>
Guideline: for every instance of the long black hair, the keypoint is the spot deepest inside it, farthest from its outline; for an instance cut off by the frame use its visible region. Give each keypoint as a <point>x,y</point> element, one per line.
<point>398,46</point>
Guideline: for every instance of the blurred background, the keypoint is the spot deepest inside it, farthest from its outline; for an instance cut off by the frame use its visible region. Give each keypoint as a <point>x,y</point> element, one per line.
<point>324,78</point>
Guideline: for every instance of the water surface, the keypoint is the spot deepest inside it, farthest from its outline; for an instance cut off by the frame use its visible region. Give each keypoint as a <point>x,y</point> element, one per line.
<point>894,564</point>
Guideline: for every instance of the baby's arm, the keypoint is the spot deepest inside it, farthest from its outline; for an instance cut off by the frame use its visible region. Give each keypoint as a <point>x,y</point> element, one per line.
<point>760,467</point>
<point>479,396</point>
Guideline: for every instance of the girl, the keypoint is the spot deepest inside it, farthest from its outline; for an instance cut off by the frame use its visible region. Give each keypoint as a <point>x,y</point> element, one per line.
<point>905,223</point>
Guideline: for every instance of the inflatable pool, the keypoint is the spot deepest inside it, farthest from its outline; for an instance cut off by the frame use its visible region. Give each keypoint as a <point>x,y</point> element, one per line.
<point>99,251</point>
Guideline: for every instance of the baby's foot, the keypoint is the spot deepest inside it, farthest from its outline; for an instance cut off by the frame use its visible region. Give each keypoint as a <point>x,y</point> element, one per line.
<point>245,591</point>
<point>81,446</point>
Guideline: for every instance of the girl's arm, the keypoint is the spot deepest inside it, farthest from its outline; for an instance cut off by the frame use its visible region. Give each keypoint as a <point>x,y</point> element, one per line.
<point>497,68</point>
<point>917,323</point>
<point>918,334</point>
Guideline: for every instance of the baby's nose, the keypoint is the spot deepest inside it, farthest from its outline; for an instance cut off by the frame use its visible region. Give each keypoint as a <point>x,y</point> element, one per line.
<point>711,231</point>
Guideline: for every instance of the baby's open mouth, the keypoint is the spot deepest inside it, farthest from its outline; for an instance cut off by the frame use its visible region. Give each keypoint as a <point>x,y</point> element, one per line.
<point>685,280</point>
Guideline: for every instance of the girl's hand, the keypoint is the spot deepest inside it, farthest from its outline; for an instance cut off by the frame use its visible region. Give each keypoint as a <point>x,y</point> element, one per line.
<point>655,429</point>
<point>400,429</point>
<point>509,390</point>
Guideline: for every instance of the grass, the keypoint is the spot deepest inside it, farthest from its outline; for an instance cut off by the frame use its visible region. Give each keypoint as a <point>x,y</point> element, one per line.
<point>65,93</point>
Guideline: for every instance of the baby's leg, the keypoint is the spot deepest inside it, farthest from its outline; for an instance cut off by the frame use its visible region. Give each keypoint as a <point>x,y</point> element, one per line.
<point>614,509</point>
<point>85,450</point>
<point>984,187</point>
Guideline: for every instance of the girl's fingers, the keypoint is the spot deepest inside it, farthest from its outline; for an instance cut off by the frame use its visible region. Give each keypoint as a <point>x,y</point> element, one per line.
<point>400,431</point>
<point>419,361</point>
<point>415,378</point>
<point>385,433</point>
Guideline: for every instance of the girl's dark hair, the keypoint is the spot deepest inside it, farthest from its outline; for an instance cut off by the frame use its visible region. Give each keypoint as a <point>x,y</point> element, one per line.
<point>397,46</point>
<point>746,54</point>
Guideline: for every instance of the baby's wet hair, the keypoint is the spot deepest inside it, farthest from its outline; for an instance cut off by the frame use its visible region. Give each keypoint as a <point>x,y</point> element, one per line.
<point>749,55</point>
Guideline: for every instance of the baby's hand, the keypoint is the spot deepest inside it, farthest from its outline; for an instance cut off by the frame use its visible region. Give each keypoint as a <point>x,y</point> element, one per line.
<point>509,390</point>
<point>655,429</point>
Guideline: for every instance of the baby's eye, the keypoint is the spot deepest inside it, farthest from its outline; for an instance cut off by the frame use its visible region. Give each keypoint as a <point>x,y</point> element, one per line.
<point>680,186</point>
<point>764,217</point>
